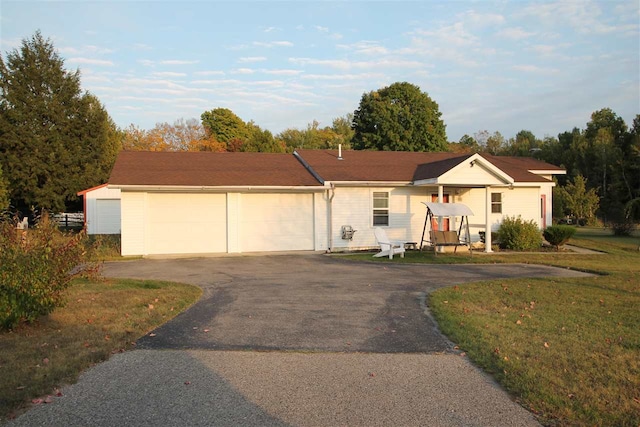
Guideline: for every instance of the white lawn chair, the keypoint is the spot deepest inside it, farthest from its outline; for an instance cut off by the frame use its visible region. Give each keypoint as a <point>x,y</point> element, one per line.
<point>387,247</point>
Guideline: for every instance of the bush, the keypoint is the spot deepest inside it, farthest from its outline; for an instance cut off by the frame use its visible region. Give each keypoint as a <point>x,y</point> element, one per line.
<point>623,227</point>
<point>36,267</point>
<point>519,235</point>
<point>558,235</point>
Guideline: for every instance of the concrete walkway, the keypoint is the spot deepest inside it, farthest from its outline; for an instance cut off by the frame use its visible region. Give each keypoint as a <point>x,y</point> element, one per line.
<point>303,340</point>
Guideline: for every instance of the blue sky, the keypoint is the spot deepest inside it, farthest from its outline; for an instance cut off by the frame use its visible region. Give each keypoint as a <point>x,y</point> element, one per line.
<point>495,65</point>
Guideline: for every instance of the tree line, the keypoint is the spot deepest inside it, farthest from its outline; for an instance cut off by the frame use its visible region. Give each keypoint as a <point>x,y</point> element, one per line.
<point>56,139</point>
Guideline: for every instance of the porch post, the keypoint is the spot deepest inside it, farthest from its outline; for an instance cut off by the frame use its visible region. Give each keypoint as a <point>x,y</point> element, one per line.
<point>440,219</point>
<point>487,229</point>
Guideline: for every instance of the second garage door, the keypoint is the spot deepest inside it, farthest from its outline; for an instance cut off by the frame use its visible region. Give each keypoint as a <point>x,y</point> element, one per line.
<point>276,222</point>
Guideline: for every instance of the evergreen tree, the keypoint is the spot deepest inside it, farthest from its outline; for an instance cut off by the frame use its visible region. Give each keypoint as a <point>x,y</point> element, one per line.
<point>55,140</point>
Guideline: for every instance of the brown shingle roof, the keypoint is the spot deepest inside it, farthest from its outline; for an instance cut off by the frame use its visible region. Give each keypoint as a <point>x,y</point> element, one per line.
<point>209,169</point>
<point>384,166</point>
<point>270,169</point>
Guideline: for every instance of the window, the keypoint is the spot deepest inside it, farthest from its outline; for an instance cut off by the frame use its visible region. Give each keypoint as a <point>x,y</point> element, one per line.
<point>496,202</point>
<point>380,208</point>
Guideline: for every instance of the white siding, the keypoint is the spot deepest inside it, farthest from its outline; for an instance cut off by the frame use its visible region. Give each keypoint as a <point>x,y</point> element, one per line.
<point>353,206</point>
<point>186,223</point>
<point>97,221</point>
<point>524,202</point>
<point>465,174</point>
<point>133,207</point>
<point>276,222</point>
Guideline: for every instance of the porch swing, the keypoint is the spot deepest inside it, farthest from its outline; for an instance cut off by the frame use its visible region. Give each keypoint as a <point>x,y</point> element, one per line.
<point>439,238</point>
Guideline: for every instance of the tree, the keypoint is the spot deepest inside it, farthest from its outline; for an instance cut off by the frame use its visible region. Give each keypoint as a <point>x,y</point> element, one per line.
<point>224,125</point>
<point>4,193</point>
<point>261,141</point>
<point>398,118</point>
<point>182,135</point>
<point>494,143</point>
<point>342,127</point>
<point>577,200</point>
<point>55,139</point>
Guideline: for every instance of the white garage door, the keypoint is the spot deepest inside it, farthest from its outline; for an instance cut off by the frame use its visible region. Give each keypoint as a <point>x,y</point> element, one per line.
<point>276,222</point>
<point>186,223</point>
<point>107,216</point>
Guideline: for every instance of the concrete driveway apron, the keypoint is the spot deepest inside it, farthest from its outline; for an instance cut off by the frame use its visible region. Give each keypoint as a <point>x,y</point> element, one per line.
<point>324,342</point>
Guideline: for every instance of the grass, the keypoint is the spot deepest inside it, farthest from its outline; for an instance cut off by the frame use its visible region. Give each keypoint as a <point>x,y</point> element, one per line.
<point>100,318</point>
<point>567,349</point>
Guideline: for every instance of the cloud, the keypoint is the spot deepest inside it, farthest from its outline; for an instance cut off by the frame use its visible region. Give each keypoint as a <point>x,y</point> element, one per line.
<point>178,62</point>
<point>141,46</point>
<point>281,43</point>
<point>544,49</point>
<point>270,29</point>
<point>321,29</point>
<point>242,71</point>
<point>209,73</point>
<point>451,35</point>
<point>168,74</point>
<point>365,47</point>
<point>585,17</point>
<point>344,64</point>
<point>146,62</point>
<point>535,69</point>
<point>350,77</point>
<point>482,19</point>
<point>283,72</point>
<point>248,59</point>
<point>91,61</point>
<point>515,33</point>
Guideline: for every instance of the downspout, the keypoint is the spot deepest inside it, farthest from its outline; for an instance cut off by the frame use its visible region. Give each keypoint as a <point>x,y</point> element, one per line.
<point>330,194</point>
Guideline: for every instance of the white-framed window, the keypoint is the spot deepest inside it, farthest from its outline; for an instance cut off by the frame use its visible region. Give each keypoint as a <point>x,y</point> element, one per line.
<point>496,202</point>
<point>380,208</point>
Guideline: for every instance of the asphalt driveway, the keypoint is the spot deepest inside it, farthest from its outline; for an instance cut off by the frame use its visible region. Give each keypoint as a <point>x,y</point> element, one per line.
<point>350,343</point>
<point>309,302</point>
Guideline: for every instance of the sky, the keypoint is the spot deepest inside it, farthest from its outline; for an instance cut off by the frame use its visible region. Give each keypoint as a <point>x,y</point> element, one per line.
<point>504,66</point>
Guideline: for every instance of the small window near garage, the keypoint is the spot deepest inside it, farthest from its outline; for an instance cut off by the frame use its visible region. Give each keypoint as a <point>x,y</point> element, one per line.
<point>380,208</point>
<point>496,202</point>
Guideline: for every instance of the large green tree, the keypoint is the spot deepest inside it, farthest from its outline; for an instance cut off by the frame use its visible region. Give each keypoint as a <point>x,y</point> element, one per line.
<point>4,192</point>
<point>224,125</point>
<point>55,139</point>
<point>399,117</point>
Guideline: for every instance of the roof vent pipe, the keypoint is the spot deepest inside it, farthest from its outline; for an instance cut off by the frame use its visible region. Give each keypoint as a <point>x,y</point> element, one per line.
<point>339,151</point>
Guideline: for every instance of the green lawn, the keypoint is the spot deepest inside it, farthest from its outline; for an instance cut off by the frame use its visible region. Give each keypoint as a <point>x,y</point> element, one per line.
<point>567,349</point>
<point>100,318</point>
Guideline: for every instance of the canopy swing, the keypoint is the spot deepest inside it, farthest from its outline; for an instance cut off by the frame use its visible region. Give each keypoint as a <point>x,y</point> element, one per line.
<point>438,238</point>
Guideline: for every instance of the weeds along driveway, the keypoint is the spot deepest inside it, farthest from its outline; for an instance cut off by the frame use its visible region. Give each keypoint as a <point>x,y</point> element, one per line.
<point>309,302</point>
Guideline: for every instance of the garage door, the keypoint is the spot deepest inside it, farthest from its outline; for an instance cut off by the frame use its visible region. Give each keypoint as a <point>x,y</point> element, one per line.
<point>186,223</point>
<point>276,222</point>
<point>107,216</point>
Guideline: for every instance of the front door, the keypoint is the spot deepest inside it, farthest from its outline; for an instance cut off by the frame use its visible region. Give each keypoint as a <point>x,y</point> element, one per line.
<point>445,221</point>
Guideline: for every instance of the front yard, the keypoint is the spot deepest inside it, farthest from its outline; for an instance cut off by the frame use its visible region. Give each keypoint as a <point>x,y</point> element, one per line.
<point>567,349</point>
<point>100,318</point>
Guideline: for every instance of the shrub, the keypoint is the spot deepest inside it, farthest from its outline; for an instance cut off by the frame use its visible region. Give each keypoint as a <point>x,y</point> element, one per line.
<point>623,227</point>
<point>519,235</point>
<point>36,267</point>
<point>558,235</point>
